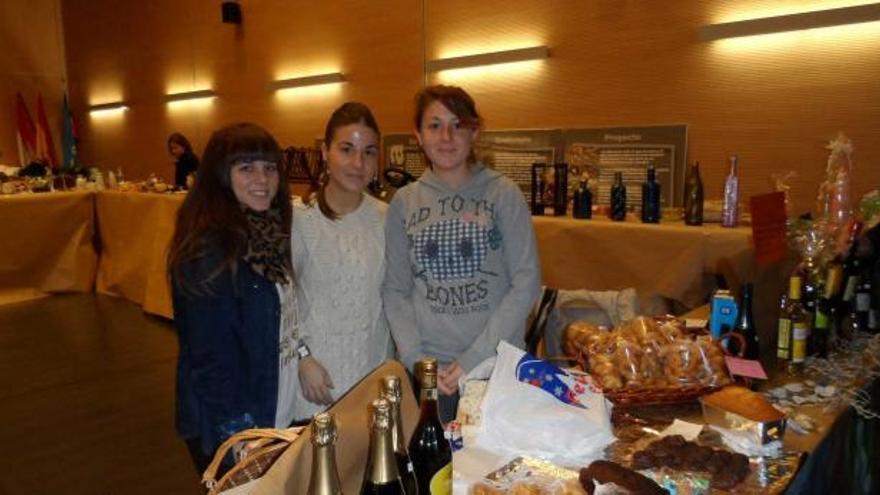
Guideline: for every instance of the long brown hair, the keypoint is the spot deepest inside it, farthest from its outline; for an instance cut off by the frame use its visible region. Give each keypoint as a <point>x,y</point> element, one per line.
<point>456,100</point>
<point>351,112</point>
<point>211,214</point>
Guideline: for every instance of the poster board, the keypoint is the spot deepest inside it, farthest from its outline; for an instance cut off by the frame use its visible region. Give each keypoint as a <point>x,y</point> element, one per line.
<point>599,151</point>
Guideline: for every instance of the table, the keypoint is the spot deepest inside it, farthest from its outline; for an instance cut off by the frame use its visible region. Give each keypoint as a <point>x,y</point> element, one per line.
<point>291,472</point>
<point>47,244</point>
<point>135,230</point>
<point>668,260</point>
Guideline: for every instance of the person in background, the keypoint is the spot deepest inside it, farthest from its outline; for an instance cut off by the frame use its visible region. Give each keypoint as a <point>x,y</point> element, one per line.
<point>233,293</point>
<point>462,266</point>
<point>338,246</point>
<point>185,160</point>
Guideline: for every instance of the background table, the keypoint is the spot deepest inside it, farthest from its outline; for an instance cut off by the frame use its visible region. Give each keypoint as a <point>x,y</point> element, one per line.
<point>135,230</point>
<point>46,244</point>
<point>669,260</point>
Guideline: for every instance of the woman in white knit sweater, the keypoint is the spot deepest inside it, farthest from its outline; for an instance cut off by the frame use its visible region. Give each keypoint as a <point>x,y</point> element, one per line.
<point>338,245</point>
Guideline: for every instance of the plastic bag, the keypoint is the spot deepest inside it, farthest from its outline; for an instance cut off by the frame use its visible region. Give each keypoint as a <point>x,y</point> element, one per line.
<point>534,408</point>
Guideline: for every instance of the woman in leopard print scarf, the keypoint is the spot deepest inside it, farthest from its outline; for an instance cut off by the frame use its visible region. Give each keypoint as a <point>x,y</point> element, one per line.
<point>232,284</point>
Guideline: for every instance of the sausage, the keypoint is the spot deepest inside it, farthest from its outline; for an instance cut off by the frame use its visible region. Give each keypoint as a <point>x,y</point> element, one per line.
<point>610,472</point>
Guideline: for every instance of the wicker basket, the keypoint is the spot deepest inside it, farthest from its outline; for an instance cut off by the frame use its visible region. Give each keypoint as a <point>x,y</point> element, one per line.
<point>265,445</point>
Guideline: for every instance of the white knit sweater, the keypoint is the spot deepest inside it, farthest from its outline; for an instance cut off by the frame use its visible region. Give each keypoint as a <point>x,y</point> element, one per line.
<point>339,266</point>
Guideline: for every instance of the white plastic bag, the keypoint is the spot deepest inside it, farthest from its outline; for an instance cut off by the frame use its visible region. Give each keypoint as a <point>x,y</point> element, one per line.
<point>536,409</point>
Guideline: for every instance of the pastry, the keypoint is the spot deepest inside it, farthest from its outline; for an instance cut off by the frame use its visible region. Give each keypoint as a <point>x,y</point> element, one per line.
<point>744,402</point>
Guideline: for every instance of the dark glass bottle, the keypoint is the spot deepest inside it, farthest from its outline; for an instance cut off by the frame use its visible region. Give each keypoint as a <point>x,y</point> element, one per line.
<point>693,196</point>
<point>863,299</point>
<point>381,476</point>
<point>824,326</point>
<point>429,450</point>
<point>618,198</point>
<point>809,296</point>
<point>651,198</point>
<point>745,324</point>
<point>391,392</point>
<point>324,479</point>
<point>582,205</point>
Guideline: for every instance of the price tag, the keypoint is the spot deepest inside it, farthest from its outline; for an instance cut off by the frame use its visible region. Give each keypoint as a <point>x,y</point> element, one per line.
<point>748,368</point>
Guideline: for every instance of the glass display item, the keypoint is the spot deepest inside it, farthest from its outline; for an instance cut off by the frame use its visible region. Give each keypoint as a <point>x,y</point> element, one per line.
<point>651,197</point>
<point>693,196</point>
<point>618,198</point>
<point>730,200</point>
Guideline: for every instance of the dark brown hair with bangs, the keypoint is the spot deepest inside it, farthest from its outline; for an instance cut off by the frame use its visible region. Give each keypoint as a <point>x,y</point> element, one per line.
<point>212,214</point>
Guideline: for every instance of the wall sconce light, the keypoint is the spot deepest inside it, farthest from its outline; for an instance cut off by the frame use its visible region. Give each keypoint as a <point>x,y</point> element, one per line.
<point>504,57</point>
<point>108,108</point>
<point>299,82</point>
<point>190,95</point>
<point>793,22</point>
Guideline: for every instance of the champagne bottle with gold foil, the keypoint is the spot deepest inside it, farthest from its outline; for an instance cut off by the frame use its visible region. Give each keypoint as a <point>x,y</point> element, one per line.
<point>391,392</point>
<point>325,477</point>
<point>429,450</point>
<point>381,476</point>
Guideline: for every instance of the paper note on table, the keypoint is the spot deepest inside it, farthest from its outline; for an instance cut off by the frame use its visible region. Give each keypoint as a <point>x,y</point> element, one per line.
<point>748,368</point>
<point>687,430</point>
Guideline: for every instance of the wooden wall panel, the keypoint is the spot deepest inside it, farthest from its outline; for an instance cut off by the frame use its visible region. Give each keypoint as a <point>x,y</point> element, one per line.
<point>773,100</point>
<point>32,63</point>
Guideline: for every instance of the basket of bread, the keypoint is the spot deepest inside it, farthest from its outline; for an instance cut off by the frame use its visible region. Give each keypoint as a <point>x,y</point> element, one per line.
<point>647,361</point>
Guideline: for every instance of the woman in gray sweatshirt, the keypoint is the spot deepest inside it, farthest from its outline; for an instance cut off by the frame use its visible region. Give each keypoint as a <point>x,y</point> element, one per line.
<point>462,267</point>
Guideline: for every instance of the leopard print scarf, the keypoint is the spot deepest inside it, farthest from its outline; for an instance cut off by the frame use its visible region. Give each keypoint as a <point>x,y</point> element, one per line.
<point>268,251</point>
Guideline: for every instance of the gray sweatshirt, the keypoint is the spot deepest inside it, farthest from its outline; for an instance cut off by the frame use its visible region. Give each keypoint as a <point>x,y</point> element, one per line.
<point>462,268</point>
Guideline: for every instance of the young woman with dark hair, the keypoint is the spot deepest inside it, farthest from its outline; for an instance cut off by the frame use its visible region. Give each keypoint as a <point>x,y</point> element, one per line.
<point>185,160</point>
<point>233,296</point>
<point>338,255</point>
<point>462,266</point>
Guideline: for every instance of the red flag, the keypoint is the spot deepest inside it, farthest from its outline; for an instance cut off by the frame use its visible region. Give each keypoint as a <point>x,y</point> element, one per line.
<point>27,134</point>
<point>45,146</point>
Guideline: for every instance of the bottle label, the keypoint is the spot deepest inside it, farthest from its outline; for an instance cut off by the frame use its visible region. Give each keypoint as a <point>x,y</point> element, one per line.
<point>863,301</point>
<point>821,320</point>
<point>784,338</point>
<point>441,482</point>
<point>409,467</point>
<point>799,343</point>
<point>850,291</point>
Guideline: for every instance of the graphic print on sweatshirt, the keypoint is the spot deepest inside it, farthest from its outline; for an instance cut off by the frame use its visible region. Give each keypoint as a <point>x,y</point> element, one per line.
<point>450,254</point>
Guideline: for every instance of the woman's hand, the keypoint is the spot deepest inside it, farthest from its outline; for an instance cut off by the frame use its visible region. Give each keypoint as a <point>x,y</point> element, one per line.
<point>315,381</point>
<point>447,378</point>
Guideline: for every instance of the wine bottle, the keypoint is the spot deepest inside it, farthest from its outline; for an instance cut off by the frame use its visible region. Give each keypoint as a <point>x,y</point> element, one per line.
<point>730,201</point>
<point>651,197</point>
<point>381,476</point>
<point>618,198</point>
<point>809,297</point>
<point>429,450</point>
<point>745,324</point>
<point>325,477</point>
<point>783,340</point>
<point>824,331</point>
<point>582,205</point>
<point>693,198</point>
<point>797,317</point>
<point>391,393</point>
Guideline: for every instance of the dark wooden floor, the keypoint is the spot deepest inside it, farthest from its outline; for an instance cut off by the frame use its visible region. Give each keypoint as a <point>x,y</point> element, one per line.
<point>87,400</point>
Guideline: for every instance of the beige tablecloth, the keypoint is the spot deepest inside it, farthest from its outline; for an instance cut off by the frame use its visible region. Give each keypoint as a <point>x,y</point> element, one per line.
<point>46,244</point>
<point>135,230</point>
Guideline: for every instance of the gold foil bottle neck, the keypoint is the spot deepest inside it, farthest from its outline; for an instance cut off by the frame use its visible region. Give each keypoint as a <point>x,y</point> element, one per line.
<point>381,414</point>
<point>323,429</point>
<point>427,372</point>
<point>391,388</point>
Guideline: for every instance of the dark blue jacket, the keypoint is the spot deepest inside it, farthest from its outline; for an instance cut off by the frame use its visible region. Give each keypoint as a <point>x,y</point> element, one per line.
<point>227,372</point>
